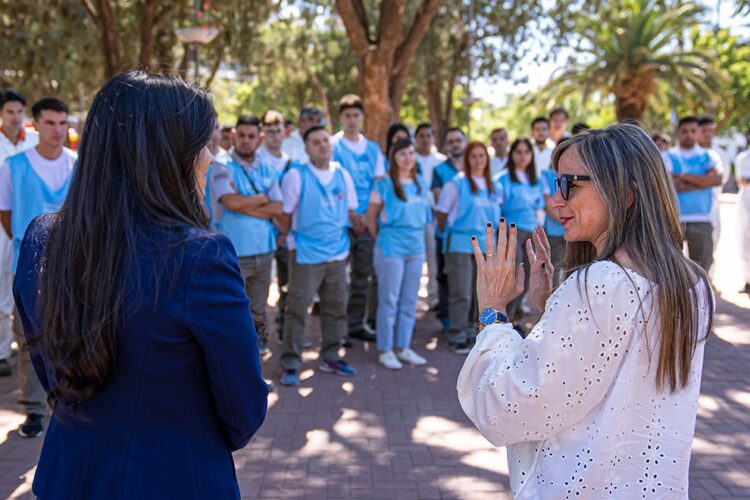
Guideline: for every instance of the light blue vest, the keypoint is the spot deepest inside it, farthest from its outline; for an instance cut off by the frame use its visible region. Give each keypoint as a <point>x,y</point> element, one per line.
<point>474,212</point>
<point>699,201</point>
<point>551,226</point>
<point>31,198</point>
<point>521,202</point>
<point>443,173</point>
<point>249,235</point>
<point>402,233</point>
<point>322,217</point>
<point>360,167</point>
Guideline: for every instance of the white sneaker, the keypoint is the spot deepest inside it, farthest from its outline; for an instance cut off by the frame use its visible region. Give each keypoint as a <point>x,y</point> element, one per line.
<point>388,359</point>
<point>411,357</point>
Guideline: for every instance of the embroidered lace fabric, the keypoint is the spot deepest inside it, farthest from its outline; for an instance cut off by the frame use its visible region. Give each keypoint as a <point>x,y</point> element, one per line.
<point>576,402</point>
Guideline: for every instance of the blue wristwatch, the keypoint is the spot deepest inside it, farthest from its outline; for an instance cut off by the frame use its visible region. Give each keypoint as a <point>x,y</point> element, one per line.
<point>490,316</point>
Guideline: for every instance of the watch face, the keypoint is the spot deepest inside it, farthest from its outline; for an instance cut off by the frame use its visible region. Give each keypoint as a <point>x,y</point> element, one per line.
<point>488,316</point>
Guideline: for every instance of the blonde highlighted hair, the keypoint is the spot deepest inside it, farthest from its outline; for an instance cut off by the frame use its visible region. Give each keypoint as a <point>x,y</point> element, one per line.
<point>627,169</point>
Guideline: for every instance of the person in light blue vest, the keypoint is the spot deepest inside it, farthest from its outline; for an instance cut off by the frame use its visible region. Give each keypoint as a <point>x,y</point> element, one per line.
<point>398,212</point>
<point>246,196</point>
<point>522,205</point>
<point>552,225</point>
<point>33,183</point>
<point>320,201</point>
<point>364,161</point>
<point>694,172</point>
<point>467,204</point>
<point>455,146</point>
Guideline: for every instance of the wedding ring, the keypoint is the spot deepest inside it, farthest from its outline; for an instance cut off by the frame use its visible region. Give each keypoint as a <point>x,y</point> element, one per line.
<point>490,255</point>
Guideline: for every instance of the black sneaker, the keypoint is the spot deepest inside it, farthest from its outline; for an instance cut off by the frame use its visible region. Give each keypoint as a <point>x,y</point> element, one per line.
<point>4,368</point>
<point>362,334</point>
<point>32,427</point>
<point>460,347</point>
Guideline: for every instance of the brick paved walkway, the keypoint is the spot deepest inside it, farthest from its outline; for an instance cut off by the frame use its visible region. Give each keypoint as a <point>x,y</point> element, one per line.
<point>403,435</point>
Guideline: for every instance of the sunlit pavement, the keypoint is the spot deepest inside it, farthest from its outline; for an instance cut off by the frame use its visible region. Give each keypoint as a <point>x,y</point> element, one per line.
<point>402,434</point>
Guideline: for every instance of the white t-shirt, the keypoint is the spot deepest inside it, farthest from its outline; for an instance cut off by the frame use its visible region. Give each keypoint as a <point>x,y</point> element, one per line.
<point>358,147</point>
<point>277,162</point>
<point>294,146</point>
<point>54,173</point>
<point>291,187</point>
<point>689,153</point>
<point>543,156</point>
<point>449,202</point>
<point>686,154</point>
<point>497,165</point>
<point>742,162</point>
<point>427,164</point>
<point>7,148</point>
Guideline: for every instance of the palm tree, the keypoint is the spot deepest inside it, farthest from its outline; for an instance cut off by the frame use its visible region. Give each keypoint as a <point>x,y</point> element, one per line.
<point>630,46</point>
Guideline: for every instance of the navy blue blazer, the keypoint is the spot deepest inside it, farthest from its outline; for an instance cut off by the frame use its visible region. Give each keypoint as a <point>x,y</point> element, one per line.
<point>187,387</point>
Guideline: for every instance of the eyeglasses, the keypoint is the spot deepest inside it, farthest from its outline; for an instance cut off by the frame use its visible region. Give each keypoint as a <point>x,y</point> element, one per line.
<point>565,182</point>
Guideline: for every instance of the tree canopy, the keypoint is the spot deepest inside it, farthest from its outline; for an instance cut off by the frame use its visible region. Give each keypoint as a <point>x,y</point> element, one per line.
<point>410,60</point>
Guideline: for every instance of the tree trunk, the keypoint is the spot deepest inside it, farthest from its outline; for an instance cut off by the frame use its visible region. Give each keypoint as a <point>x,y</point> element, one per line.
<point>214,70</point>
<point>148,15</point>
<point>439,94</point>
<point>103,15</point>
<point>384,60</point>
<point>440,111</point>
<point>379,113</point>
<point>631,96</point>
<point>323,96</point>
<point>165,63</point>
<point>182,68</point>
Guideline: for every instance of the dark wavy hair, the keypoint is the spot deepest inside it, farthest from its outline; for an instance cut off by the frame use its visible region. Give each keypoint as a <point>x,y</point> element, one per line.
<point>393,168</point>
<point>135,173</point>
<point>531,172</point>
<point>392,131</point>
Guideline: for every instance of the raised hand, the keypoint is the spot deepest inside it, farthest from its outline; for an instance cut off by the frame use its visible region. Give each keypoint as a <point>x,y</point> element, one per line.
<point>499,281</point>
<point>542,270</point>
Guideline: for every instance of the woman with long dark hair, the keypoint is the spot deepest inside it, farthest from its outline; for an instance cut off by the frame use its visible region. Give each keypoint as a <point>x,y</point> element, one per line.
<point>136,315</point>
<point>398,211</point>
<point>396,132</point>
<point>600,399</point>
<point>467,203</point>
<point>523,199</point>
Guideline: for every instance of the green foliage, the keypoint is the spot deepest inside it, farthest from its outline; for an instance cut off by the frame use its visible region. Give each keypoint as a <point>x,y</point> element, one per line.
<point>732,109</point>
<point>43,55</point>
<point>629,46</point>
<point>284,54</point>
<point>300,59</point>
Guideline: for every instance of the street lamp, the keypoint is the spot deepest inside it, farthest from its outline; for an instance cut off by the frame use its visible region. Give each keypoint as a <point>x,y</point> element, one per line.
<point>194,36</point>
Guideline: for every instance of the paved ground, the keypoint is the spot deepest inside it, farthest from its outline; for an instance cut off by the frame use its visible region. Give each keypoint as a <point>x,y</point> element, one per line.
<point>403,435</point>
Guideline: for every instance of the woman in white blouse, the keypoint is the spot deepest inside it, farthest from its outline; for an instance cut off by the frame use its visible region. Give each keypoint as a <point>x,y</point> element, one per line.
<point>600,399</point>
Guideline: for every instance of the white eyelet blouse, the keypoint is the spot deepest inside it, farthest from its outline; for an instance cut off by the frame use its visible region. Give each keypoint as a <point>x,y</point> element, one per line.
<point>576,402</point>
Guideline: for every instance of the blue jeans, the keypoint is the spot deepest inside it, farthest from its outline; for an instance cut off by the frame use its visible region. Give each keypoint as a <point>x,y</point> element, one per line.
<point>398,291</point>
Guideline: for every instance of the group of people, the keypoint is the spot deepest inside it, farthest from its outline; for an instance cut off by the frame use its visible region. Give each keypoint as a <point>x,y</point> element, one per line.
<point>327,206</point>
<point>132,280</point>
<point>349,225</point>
